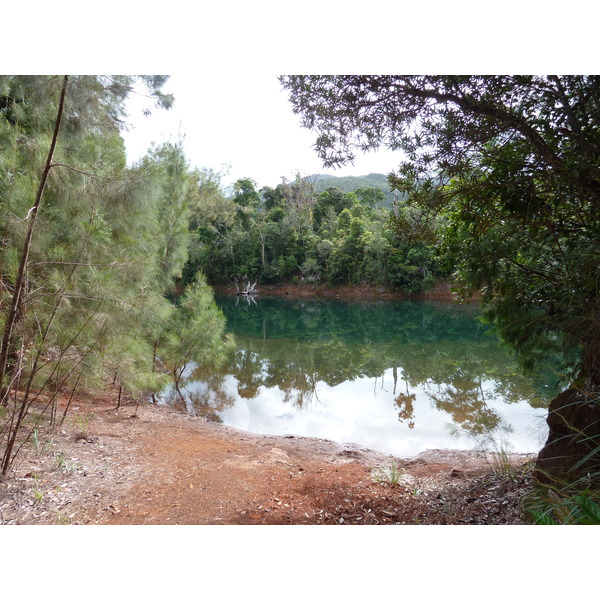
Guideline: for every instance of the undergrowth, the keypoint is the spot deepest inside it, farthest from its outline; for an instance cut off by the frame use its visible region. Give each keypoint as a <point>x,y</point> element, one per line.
<point>549,507</point>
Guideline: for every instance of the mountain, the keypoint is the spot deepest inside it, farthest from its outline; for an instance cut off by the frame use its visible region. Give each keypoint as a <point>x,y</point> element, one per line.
<point>352,183</point>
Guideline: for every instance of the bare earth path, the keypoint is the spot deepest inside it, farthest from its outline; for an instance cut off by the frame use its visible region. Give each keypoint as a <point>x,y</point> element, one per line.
<point>148,465</point>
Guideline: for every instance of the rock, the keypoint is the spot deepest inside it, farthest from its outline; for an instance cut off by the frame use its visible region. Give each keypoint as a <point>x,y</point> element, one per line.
<point>278,455</point>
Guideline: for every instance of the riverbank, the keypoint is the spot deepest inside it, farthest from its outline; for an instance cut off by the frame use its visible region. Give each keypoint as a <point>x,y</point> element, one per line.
<point>143,464</point>
<point>442,292</point>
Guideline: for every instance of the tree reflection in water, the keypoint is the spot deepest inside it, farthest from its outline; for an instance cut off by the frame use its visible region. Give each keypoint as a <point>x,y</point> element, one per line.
<point>436,351</point>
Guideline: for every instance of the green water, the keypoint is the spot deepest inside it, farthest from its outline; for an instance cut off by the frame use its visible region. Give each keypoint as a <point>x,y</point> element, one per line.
<point>399,377</point>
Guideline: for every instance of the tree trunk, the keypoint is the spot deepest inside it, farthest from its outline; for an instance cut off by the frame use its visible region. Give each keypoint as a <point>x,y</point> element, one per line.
<point>262,250</point>
<point>570,454</point>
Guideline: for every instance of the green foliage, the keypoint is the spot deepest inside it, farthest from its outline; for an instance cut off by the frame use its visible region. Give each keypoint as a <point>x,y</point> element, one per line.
<point>193,335</point>
<point>39,447</point>
<point>582,509</point>
<point>521,203</point>
<point>331,199</point>
<point>60,462</point>
<point>83,422</point>
<point>245,193</point>
<point>311,270</point>
<point>333,237</point>
<point>38,493</point>
<point>274,198</point>
<point>167,166</point>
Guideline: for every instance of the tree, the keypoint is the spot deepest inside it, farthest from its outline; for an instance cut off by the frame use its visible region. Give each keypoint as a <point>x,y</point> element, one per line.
<point>15,308</point>
<point>332,198</point>
<point>513,163</point>
<point>79,252</point>
<point>167,167</point>
<point>245,194</point>
<point>300,198</point>
<point>274,198</point>
<point>194,335</point>
<point>371,196</point>
<point>211,220</point>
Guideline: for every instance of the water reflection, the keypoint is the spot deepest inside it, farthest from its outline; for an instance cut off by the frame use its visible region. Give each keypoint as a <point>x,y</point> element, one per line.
<point>392,376</point>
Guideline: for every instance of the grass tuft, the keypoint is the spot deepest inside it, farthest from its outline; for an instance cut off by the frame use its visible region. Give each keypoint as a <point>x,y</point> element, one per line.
<point>390,474</point>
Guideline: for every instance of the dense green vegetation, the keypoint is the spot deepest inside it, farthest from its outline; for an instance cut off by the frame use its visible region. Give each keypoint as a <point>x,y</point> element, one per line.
<point>104,267</point>
<point>294,233</point>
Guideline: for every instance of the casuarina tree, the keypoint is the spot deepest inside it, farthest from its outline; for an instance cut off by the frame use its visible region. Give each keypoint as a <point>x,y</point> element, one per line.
<point>79,243</point>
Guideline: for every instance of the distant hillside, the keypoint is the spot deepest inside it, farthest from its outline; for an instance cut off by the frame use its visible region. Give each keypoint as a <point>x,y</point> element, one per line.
<point>351,183</point>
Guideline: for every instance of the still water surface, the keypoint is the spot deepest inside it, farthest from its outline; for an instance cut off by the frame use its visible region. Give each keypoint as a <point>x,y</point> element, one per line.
<point>398,377</point>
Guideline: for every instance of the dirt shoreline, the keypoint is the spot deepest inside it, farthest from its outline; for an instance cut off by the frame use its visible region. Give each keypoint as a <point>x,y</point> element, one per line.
<point>442,292</point>
<point>144,465</point>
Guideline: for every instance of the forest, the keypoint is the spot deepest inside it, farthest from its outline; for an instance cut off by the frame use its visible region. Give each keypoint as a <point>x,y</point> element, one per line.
<point>293,233</point>
<point>106,269</point>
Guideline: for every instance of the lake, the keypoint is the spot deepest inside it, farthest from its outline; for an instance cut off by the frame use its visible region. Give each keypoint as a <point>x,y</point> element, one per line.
<point>398,377</point>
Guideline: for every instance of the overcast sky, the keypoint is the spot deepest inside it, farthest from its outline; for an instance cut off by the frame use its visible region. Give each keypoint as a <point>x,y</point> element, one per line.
<point>247,129</point>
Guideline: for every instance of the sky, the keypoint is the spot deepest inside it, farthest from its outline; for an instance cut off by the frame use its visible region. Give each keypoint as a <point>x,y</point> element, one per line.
<point>244,131</point>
